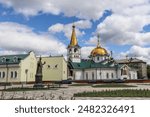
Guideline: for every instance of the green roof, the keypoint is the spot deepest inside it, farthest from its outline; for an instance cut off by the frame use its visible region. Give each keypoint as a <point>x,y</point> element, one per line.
<point>86,64</point>
<point>12,59</point>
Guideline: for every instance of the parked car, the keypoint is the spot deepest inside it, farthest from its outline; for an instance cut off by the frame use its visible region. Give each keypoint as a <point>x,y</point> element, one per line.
<point>68,81</point>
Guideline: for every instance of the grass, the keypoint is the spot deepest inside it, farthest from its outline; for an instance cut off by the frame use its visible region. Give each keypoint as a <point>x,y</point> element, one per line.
<point>112,85</point>
<point>79,84</point>
<point>116,93</point>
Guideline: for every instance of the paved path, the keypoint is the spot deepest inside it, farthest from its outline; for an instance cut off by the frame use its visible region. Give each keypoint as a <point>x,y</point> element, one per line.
<point>67,93</point>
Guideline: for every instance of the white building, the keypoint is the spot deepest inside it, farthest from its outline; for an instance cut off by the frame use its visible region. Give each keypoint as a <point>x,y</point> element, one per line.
<point>100,66</point>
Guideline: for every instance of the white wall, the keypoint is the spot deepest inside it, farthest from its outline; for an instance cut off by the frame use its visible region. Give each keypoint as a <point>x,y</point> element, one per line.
<point>78,75</point>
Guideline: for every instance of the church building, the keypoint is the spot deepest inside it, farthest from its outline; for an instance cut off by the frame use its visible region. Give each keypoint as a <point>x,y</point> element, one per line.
<point>99,66</point>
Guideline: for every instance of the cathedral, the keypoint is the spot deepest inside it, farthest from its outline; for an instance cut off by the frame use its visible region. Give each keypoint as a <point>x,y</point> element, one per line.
<point>99,66</point>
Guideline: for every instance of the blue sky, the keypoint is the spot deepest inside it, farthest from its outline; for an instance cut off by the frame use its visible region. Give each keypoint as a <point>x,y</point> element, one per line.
<point>45,26</point>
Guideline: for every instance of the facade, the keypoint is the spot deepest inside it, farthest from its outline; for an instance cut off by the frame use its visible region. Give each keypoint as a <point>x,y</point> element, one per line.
<point>19,68</point>
<point>140,65</point>
<point>54,69</point>
<point>99,66</point>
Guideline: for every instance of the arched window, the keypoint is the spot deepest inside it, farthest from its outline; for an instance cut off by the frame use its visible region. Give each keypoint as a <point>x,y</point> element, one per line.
<point>107,75</point>
<point>100,74</point>
<point>112,75</point>
<point>124,71</point>
<point>11,74</point>
<point>86,76</point>
<point>3,74</point>
<point>92,75</point>
<point>98,58</point>
<point>15,74</point>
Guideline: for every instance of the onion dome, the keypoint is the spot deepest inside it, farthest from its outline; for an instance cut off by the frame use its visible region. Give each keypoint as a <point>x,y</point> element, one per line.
<point>99,50</point>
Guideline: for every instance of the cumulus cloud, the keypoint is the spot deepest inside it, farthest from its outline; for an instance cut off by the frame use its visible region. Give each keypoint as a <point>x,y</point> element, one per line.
<point>138,52</point>
<point>125,29</point>
<point>85,9</point>
<point>86,51</point>
<point>31,7</point>
<point>82,9</point>
<point>67,28</point>
<point>17,37</point>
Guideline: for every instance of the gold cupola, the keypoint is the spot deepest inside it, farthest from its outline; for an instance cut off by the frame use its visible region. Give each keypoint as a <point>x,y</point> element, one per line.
<point>73,41</point>
<point>99,50</point>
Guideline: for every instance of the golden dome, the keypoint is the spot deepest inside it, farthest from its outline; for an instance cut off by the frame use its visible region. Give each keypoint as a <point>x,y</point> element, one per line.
<point>99,50</point>
<point>73,41</point>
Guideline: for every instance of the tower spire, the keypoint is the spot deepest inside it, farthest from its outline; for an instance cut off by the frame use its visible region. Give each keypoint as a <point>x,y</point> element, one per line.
<point>98,40</point>
<point>73,41</point>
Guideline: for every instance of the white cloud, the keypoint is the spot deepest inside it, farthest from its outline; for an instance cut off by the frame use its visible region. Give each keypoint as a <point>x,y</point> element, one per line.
<point>138,52</point>
<point>56,28</point>
<point>17,37</point>
<point>82,9</point>
<point>85,9</point>
<point>9,52</point>
<point>123,30</point>
<point>67,28</point>
<point>86,51</point>
<point>31,7</point>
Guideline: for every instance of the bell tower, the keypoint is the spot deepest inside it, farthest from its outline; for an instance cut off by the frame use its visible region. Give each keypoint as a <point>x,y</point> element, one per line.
<point>74,50</point>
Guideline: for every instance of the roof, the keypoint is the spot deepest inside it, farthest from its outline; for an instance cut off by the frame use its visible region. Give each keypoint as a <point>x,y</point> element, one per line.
<point>87,64</point>
<point>131,60</point>
<point>12,59</point>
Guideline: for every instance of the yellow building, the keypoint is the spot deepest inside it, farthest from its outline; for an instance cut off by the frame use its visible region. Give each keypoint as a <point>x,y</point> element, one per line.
<point>19,68</point>
<point>54,69</point>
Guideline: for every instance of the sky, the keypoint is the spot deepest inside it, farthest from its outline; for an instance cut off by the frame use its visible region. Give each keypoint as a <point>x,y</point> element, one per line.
<point>45,26</point>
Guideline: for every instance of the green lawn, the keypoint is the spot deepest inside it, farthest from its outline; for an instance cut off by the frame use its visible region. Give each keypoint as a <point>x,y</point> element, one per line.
<point>115,93</point>
<point>112,85</point>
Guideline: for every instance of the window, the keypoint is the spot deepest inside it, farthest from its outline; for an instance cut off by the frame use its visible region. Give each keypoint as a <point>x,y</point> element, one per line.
<point>75,50</point>
<point>15,59</point>
<point>0,74</point>
<point>15,74</point>
<point>86,76</point>
<point>92,75</point>
<point>56,66</point>
<point>124,71</point>
<point>3,74</point>
<point>112,75</point>
<point>3,59</point>
<point>107,75</point>
<point>98,58</point>
<point>100,74</point>
<point>11,74</point>
<point>133,76</point>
